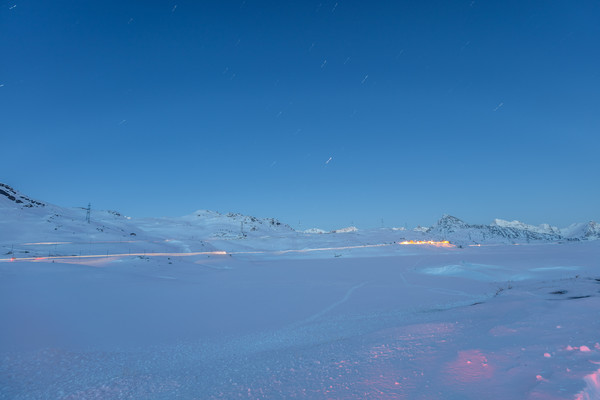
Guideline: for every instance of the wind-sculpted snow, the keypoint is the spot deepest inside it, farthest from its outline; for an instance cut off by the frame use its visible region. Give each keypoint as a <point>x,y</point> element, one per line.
<point>592,387</point>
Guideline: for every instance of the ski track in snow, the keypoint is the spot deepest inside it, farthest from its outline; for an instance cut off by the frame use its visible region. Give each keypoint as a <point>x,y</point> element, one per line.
<point>334,305</point>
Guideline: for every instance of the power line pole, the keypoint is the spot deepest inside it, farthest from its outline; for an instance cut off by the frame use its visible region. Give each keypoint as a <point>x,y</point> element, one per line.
<point>87,214</point>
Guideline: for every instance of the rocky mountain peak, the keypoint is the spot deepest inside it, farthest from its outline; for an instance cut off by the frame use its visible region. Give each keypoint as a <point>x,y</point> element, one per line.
<point>449,224</point>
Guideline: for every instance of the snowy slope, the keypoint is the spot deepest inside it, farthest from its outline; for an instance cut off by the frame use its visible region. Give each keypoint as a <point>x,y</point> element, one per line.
<point>211,224</point>
<point>22,216</point>
<point>33,228</point>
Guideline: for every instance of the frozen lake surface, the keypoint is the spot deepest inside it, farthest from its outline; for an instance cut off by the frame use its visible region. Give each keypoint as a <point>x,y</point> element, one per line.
<point>390,322</point>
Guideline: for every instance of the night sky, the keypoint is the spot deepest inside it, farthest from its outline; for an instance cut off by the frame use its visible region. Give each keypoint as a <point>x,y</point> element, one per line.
<point>318,113</point>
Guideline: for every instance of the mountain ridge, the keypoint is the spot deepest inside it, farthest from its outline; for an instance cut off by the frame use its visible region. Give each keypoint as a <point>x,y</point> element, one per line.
<point>501,231</point>
<point>235,225</point>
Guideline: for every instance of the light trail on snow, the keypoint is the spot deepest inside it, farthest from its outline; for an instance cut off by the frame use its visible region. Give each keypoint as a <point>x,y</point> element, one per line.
<point>112,255</point>
<point>45,243</point>
<point>215,252</point>
<point>97,242</point>
<point>333,248</point>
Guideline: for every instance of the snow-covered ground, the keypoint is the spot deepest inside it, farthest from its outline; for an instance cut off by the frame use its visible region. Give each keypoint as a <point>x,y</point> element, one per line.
<point>212,306</point>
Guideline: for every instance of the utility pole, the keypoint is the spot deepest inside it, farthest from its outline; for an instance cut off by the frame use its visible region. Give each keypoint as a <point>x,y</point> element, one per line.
<point>87,214</point>
<point>242,228</point>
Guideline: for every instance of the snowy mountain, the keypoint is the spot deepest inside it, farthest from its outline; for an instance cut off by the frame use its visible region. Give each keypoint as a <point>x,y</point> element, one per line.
<point>30,227</point>
<point>543,228</point>
<point>212,224</point>
<point>459,232</point>
<point>586,230</point>
<point>502,231</point>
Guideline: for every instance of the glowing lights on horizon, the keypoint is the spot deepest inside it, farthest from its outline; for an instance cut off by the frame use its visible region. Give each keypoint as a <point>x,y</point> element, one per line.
<point>442,243</point>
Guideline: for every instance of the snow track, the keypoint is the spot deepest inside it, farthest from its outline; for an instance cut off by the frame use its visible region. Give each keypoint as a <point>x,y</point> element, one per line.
<point>334,305</point>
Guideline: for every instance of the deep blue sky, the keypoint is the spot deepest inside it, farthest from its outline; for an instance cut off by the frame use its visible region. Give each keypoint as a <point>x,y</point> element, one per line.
<point>479,109</point>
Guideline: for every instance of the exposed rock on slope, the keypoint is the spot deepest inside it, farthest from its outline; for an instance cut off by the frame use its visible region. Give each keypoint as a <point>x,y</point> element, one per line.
<point>10,194</point>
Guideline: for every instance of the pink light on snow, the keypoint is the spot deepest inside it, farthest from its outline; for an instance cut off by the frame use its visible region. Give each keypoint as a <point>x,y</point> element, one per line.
<point>583,349</point>
<point>442,243</point>
<point>592,387</point>
<point>469,367</point>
